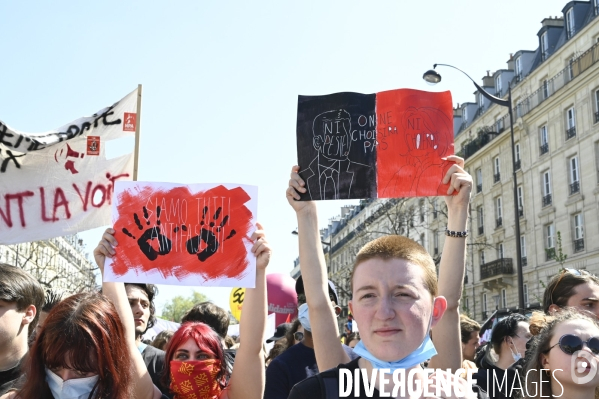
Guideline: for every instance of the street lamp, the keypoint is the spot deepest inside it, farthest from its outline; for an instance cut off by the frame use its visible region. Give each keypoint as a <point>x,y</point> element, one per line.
<point>433,77</point>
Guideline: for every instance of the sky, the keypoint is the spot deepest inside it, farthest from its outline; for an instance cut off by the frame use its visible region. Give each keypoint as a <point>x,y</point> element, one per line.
<point>221,79</point>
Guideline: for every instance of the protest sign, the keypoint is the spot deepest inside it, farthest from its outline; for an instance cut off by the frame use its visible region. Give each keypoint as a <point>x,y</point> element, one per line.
<point>176,234</point>
<point>60,182</point>
<point>384,145</point>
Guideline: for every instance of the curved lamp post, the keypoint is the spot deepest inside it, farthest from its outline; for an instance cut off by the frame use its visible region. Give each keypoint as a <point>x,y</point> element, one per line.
<point>432,76</point>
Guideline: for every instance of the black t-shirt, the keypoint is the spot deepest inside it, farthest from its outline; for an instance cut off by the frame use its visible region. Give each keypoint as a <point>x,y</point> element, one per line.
<point>154,360</point>
<point>9,377</point>
<point>311,388</point>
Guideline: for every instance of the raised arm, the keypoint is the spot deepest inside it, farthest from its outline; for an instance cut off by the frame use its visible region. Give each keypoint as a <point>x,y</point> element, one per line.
<point>327,347</point>
<point>247,380</point>
<point>144,388</point>
<point>451,270</point>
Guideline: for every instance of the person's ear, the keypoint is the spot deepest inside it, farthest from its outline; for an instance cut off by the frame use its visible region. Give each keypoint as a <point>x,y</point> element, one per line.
<point>351,308</point>
<point>544,361</point>
<point>29,315</point>
<point>317,142</point>
<point>439,308</point>
<point>553,308</point>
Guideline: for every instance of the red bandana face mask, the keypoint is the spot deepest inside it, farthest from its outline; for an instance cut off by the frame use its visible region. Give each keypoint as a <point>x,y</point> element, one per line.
<point>195,379</point>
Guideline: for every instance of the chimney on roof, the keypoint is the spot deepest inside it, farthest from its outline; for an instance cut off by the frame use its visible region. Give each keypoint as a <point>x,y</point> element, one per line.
<point>457,111</point>
<point>553,22</point>
<point>488,80</point>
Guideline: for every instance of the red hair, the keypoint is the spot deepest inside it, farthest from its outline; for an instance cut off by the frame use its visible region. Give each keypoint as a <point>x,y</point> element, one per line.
<point>205,338</point>
<point>84,333</point>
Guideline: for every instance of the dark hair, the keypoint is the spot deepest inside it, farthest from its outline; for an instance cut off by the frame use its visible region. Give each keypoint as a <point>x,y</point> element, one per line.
<point>467,327</point>
<point>279,347</point>
<point>561,287</point>
<point>16,285</point>
<point>52,299</point>
<point>229,342</point>
<point>207,340</point>
<point>151,291</point>
<point>161,340</point>
<point>210,314</point>
<point>351,337</point>
<point>506,327</point>
<point>83,332</point>
<point>289,339</point>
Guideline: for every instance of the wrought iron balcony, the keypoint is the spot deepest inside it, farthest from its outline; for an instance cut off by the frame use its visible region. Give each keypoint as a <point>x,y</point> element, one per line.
<point>579,245</point>
<point>481,230</point>
<point>496,267</point>
<point>479,188</point>
<point>574,187</point>
<point>524,261</point>
<point>518,164</point>
<point>496,177</point>
<point>544,148</point>
<point>549,253</point>
<point>498,222</point>
<point>547,200</point>
<point>571,132</point>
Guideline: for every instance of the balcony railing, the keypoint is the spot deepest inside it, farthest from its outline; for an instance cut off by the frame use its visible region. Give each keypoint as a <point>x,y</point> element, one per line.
<point>571,132</point>
<point>547,200</point>
<point>496,177</point>
<point>518,164</point>
<point>544,148</point>
<point>574,187</point>
<point>498,222</point>
<point>481,230</point>
<point>596,117</point>
<point>579,245</point>
<point>479,188</point>
<point>524,261</point>
<point>549,253</point>
<point>496,267</point>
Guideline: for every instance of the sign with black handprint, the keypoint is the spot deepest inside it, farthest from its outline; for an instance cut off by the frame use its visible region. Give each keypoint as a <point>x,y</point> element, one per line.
<point>184,234</point>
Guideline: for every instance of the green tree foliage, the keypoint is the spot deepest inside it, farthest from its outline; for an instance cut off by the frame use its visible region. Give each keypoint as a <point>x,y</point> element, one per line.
<point>179,305</point>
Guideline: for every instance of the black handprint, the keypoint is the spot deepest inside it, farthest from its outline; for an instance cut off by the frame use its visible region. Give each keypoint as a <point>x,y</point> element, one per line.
<point>207,235</point>
<point>151,234</point>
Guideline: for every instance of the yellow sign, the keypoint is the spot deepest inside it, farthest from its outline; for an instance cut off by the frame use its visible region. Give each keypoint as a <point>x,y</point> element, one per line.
<point>236,302</point>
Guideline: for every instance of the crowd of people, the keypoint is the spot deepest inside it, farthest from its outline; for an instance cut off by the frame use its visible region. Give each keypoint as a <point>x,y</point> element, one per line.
<point>89,345</point>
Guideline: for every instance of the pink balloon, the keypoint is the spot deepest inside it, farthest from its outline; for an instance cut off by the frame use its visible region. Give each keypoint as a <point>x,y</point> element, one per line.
<point>281,297</point>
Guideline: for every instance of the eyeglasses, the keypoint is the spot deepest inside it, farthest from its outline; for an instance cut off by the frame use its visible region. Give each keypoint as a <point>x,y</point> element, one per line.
<point>564,271</point>
<point>570,344</point>
<point>298,336</point>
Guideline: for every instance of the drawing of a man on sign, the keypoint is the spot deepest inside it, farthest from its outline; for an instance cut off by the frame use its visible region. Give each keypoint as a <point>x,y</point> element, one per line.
<point>331,174</point>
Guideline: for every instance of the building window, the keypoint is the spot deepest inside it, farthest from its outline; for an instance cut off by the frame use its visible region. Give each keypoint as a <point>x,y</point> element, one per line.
<point>465,113</point>
<point>518,69</point>
<point>498,212</point>
<point>435,209</point>
<point>484,301</point>
<point>550,241</point>
<point>546,188</point>
<point>525,294</point>
<point>570,123</point>
<point>597,159</point>
<point>523,250</point>
<point>517,151</point>
<point>480,218</point>
<point>574,175</point>
<point>544,46</point>
<point>481,257</point>
<point>596,102</point>
<point>479,180</point>
<point>545,90</point>
<point>578,233</point>
<point>481,100</point>
<point>503,298</point>
<point>498,85</point>
<point>497,175</point>
<point>436,242</point>
<point>500,252</point>
<point>422,239</point>
<point>544,139</point>
<point>421,210</point>
<point>520,201</point>
<point>570,27</point>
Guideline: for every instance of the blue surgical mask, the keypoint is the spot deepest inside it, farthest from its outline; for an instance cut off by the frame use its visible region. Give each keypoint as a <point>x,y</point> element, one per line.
<point>78,388</point>
<point>425,351</point>
<point>304,317</point>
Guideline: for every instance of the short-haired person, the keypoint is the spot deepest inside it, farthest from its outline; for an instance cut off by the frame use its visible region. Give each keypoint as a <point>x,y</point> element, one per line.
<point>559,361</point>
<point>21,298</point>
<point>395,296</point>
<point>352,339</point>
<point>141,299</point>
<point>508,342</point>
<point>572,288</point>
<point>469,330</point>
<point>51,299</point>
<point>162,339</point>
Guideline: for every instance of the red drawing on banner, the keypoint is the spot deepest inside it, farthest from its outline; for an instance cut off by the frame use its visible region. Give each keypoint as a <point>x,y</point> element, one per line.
<point>64,153</point>
<point>410,158</point>
<point>93,145</point>
<point>130,122</point>
<point>178,233</point>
